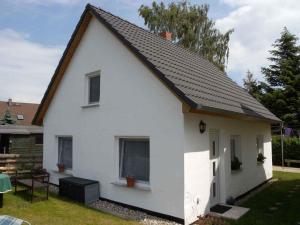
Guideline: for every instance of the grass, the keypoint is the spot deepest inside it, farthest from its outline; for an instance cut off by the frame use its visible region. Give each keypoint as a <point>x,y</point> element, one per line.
<point>64,212</point>
<point>287,214</point>
<point>56,211</point>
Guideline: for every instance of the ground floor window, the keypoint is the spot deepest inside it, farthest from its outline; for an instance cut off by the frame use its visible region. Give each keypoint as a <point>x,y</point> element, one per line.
<point>134,158</point>
<point>235,152</point>
<point>65,152</point>
<point>260,144</point>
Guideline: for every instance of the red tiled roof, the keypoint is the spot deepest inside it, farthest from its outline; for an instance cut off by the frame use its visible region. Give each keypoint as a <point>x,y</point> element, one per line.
<point>28,111</point>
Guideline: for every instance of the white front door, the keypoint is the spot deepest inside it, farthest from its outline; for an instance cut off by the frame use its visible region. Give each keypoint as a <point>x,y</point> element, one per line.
<point>214,168</point>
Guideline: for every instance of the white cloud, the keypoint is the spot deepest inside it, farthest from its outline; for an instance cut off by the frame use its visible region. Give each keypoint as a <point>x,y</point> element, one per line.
<point>25,67</point>
<point>47,2</point>
<point>257,25</point>
<point>133,3</point>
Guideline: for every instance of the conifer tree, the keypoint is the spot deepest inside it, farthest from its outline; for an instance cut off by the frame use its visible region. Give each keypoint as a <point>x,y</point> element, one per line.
<point>282,92</point>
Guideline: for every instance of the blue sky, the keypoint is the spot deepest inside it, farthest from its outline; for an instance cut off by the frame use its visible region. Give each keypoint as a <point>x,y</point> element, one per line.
<point>52,24</point>
<point>34,33</point>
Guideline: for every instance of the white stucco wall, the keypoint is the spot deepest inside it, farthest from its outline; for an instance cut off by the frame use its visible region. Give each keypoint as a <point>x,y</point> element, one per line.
<point>197,163</point>
<point>133,102</point>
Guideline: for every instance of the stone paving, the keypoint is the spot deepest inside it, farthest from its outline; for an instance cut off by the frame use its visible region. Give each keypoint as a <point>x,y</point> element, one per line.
<point>286,169</point>
<point>234,213</point>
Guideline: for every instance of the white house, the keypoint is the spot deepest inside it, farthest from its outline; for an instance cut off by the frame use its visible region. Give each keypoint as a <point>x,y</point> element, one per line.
<point>124,101</point>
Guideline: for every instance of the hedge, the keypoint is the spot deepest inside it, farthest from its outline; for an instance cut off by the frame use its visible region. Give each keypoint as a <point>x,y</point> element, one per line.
<point>291,149</point>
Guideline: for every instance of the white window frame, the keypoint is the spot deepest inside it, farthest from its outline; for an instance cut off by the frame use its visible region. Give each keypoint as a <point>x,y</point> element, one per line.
<point>238,147</point>
<point>57,150</point>
<point>261,137</point>
<point>119,179</point>
<point>87,89</point>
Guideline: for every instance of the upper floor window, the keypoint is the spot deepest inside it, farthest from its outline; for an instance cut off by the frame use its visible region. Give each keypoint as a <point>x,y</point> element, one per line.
<point>93,88</point>
<point>134,158</point>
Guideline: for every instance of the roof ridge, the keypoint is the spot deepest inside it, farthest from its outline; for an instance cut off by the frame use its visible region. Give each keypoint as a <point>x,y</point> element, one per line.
<point>194,57</point>
<point>29,103</point>
<point>141,41</point>
<point>160,38</point>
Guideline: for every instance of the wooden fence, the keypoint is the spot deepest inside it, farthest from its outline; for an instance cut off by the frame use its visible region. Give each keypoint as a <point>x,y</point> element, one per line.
<point>9,163</point>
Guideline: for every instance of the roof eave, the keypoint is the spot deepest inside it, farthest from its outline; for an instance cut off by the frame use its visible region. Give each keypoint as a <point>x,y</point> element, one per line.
<point>218,111</point>
<point>38,118</point>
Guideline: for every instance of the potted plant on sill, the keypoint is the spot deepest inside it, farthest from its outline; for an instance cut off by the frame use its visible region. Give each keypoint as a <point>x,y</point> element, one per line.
<point>130,181</point>
<point>260,158</point>
<point>236,164</point>
<point>61,167</point>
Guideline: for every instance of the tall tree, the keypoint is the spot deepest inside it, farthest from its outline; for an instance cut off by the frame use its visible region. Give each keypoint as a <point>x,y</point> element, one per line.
<point>190,27</point>
<point>254,87</point>
<point>250,83</point>
<point>283,78</point>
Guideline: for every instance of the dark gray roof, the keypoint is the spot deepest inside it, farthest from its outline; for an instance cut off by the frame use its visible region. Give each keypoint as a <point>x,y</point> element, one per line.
<point>194,79</point>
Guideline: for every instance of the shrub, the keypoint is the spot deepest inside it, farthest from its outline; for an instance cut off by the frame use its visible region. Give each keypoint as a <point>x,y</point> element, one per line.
<point>291,146</point>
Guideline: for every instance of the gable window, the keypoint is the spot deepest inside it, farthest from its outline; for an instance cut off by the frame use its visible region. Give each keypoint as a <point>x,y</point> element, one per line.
<point>235,152</point>
<point>38,138</point>
<point>260,144</point>
<point>134,159</point>
<point>93,88</point>
<point>65,151</point>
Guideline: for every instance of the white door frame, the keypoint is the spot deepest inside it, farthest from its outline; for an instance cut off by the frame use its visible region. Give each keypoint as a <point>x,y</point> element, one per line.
<point>214,161</point>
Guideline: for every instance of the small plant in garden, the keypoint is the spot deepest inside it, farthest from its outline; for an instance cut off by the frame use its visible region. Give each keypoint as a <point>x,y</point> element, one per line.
<point>236,164</point>
<point>261,158</point>
<point>209,220</point>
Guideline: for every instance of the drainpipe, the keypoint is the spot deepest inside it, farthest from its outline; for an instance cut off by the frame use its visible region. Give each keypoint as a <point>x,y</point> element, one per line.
<point>282,154</point>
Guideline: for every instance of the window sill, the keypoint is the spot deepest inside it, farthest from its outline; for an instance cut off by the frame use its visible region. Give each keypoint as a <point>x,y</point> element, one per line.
<point>138,186</point>
<point>90,105</point>
<point>65,173</point>
<point>236,171</point>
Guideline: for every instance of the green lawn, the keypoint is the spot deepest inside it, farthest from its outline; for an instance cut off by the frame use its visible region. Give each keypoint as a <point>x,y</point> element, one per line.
<point>59,211</point>
<point>287,214</point>
<point>56,211</point>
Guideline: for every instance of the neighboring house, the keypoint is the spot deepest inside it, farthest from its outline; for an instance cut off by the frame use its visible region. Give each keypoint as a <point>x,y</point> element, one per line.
<point>17,134</point>
<point>124,101</point>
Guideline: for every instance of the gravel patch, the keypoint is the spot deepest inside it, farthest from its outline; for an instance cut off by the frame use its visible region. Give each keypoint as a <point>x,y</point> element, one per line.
<point>130,214</point>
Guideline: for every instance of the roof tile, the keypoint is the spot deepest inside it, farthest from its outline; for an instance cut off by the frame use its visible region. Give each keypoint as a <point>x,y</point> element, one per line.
<point>198,79</point>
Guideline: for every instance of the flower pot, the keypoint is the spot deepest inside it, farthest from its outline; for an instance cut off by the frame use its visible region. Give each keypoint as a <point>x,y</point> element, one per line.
<point>61,168</point>
<point>130,181</point>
